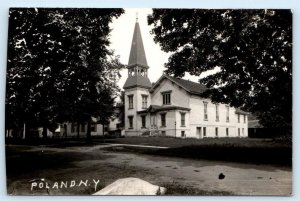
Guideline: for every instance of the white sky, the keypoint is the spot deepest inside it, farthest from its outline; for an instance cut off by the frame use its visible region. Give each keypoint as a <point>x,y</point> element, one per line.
<point>121,37</point>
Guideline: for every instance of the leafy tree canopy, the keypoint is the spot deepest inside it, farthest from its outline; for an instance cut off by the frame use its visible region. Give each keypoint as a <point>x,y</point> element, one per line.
<point>59,66</point>
<point>252,50</point>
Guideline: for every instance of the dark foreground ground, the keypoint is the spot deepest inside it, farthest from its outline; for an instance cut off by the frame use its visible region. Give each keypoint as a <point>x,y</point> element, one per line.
<point>30,168</point>
<point>183,168</point>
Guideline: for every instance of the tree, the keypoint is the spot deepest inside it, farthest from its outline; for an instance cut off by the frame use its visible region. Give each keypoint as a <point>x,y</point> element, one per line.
<point>58,62</point>
<point>252,50</point>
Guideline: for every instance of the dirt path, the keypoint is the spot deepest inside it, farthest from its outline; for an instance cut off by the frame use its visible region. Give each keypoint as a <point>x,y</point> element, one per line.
<point>240,179</point>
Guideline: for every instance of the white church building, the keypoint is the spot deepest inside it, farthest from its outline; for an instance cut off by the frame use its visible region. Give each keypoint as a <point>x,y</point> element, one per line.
<point>173,106</point>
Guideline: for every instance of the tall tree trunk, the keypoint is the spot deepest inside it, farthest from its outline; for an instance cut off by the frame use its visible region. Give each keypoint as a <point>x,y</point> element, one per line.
<point>24,132</point>
<point>44,132</point>
<point>27,131</point>
<point>15,133</point>
<point>103,130</point>
<point>65,134</point>
<point>88,133</point>
<point>78,131</point>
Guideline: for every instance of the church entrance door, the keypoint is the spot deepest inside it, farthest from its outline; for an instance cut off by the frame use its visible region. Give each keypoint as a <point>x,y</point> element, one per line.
<point>199,132</point>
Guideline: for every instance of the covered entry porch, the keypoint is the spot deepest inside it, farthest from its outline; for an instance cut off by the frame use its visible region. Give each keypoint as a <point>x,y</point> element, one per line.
<point>172,121</point>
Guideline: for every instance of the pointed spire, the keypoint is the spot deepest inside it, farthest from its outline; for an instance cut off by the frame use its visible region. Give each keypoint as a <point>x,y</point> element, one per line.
<point>137,64</point>
<point>137,52</point>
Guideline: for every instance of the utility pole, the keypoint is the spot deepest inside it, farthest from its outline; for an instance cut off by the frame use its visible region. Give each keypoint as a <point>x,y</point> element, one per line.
<point>175,129</point>
<point>24,132</point>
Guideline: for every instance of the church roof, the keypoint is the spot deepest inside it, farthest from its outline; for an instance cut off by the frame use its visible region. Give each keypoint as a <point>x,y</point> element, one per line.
<point>189,86</point>
<point>137,53</point>
<point>137,81</point>
<point>158,108</point>
<point>254,124</point>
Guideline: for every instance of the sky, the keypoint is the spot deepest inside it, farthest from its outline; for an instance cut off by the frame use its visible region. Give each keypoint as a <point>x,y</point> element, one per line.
<point>121,37</point>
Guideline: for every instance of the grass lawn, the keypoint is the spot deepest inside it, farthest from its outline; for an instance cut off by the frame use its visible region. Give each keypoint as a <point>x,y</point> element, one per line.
<point>179,142</point>
<point>245,150</point>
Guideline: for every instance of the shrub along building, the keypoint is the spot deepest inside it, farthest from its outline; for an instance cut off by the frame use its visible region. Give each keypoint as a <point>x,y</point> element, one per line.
<point>173,106</point>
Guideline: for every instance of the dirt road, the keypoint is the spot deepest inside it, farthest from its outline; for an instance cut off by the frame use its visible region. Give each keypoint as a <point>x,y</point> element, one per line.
<point>240,179</point>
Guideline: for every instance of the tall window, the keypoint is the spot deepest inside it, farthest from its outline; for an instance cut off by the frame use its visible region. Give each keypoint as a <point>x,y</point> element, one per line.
<point>163,119</point>
<point>130,119</point>
<point>182,133</point>
<point>227,113</point>
<point>182,119</point>
<point>217,131</point>
<point>143,121</point>
<point>204,131</point>
<point>217,112</point>
<point>244,118</point>
<point>166,98</point>
<point>144,101</point>
<point>94,127</point>
<point>238,118</point>
<point>130,102</point>
<point>205,111</point>
<point>239,132</point>
<point>242,131</point>
<point>227,132</point>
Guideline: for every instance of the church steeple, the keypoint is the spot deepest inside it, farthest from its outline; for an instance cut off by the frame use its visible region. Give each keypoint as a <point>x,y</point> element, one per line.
<point>137,52</point>
<point>137,64</point>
